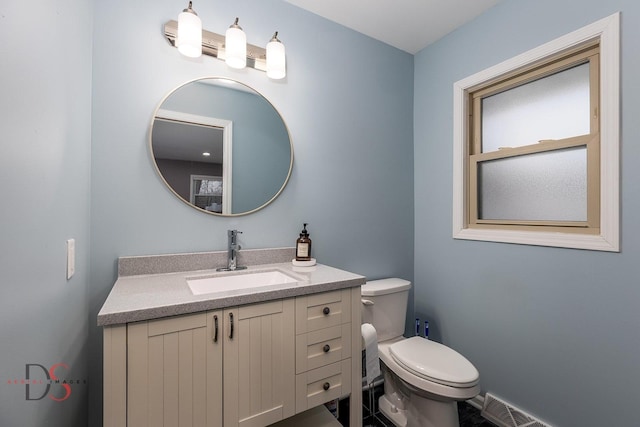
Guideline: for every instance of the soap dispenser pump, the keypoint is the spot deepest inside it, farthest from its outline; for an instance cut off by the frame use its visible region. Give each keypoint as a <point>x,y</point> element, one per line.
<point>303,245</point>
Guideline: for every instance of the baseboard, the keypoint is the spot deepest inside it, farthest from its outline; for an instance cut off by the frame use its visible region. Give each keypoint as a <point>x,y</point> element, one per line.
<point>502,413</point>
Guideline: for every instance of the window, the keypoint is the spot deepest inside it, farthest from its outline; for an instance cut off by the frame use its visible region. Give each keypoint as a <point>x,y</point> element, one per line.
<point>206,192</point>
<point>536,145</point>
<point>534,148</point>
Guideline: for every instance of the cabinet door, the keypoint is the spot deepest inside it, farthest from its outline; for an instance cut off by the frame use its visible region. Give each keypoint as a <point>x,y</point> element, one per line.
<point>259,364</point>
<point>175,371</point>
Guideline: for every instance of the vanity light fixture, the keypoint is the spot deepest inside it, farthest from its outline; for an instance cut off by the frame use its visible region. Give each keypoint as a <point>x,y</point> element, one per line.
<point>189,39</point>
<point>231,48</point>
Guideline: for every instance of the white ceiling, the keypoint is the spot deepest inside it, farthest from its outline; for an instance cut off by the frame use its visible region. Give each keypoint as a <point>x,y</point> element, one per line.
<point>409,25</point>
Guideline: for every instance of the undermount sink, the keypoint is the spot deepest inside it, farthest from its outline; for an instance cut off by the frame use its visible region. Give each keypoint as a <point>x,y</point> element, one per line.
<point>233,282</point>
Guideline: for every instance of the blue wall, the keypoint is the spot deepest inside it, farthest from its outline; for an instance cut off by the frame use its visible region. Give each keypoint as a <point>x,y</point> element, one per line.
<point>45,157</point>
<point>347,101</point>
<point>553,331</point>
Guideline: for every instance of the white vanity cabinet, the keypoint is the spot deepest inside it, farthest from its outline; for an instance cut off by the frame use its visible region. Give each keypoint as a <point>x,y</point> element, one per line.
<point>251,365</point>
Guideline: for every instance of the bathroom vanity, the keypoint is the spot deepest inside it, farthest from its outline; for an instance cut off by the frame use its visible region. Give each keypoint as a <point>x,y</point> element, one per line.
<point>238,356</point>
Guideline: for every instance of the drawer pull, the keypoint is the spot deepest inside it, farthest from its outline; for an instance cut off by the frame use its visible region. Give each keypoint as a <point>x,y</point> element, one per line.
<point>215,328</point>
<point>326,311</point>
<point>326,386</point>
<point>326,348</point>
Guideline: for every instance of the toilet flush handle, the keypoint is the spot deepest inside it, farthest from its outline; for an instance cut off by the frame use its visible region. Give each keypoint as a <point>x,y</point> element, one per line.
<point>366,302</point>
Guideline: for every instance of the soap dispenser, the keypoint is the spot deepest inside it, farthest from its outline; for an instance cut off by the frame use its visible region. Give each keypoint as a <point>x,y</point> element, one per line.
<point>303,245</point>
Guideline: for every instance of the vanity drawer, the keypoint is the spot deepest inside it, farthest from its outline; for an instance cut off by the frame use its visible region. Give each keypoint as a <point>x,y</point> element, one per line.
<point>322,347</point>
<point>321,385</point>
<point>322,310</point>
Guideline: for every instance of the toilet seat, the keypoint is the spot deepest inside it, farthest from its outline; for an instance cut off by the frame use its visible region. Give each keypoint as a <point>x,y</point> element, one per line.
<point>434,362</point>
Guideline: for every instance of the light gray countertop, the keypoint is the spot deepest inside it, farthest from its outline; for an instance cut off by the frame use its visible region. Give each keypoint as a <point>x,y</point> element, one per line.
<point>137,297</point>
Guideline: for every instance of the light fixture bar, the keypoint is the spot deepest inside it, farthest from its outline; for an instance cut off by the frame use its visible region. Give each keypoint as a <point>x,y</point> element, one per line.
<point>213,45</point>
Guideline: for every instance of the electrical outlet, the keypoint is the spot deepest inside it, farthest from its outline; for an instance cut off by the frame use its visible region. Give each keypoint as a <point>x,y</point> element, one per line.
<point>71,258</point>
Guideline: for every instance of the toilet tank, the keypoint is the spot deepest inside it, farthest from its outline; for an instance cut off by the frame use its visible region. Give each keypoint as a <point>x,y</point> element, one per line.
<point>384,305</point>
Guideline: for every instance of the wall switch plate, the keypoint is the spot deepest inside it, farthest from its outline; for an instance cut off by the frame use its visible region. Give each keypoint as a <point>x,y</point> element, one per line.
<point>71,258</point>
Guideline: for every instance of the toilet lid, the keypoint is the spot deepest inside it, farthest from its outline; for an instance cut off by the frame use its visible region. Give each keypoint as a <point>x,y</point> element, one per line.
<point>434,362</point>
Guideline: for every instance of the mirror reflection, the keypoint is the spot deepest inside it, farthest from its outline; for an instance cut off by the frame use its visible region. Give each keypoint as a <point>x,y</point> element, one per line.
<point>221,147</point>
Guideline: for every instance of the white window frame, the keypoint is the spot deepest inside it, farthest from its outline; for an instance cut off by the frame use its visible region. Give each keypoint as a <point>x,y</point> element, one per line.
<point>607,31</point>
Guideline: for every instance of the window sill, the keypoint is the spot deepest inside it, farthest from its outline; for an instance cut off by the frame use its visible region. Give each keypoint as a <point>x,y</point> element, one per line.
<point>537,238</point>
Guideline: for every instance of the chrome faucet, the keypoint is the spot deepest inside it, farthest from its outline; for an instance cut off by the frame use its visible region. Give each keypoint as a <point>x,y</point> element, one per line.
<point>232,250</point>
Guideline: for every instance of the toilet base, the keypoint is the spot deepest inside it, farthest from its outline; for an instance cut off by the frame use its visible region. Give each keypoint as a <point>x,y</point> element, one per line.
<point>440,414</point>
<point>397,416</point>
<point>406,406</point>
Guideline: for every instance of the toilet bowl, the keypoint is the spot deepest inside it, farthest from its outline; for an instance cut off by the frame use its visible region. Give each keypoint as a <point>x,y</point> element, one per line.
<point>423,379</point>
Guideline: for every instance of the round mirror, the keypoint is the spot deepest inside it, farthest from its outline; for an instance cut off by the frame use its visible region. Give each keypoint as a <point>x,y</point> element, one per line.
<point>221,147</point>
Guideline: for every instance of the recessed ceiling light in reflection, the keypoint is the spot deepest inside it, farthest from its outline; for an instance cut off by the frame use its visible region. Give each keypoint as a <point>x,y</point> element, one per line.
<point>206,154</point>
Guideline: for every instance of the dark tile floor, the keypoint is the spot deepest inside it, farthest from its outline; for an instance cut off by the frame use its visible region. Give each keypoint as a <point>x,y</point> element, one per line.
<point>470,416</point>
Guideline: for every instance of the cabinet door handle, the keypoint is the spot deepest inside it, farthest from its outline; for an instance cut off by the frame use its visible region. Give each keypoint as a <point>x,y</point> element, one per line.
<point>326,311</point>
<point>215,328</point>
<point>230,326</point>
<point>326,348</point>
<point>326,386</point>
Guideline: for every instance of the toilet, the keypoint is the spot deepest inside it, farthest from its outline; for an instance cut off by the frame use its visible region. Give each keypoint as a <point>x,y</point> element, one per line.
<point>423,379</point>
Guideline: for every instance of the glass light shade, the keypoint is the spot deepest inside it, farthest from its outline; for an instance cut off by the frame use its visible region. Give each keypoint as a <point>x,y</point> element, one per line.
<point>235,47</point>
<point>276,59</point>
<point>189,39</point>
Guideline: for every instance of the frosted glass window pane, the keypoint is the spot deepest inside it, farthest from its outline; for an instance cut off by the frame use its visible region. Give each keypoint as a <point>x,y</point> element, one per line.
<point>554,107</point>
<point>544,186</point>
